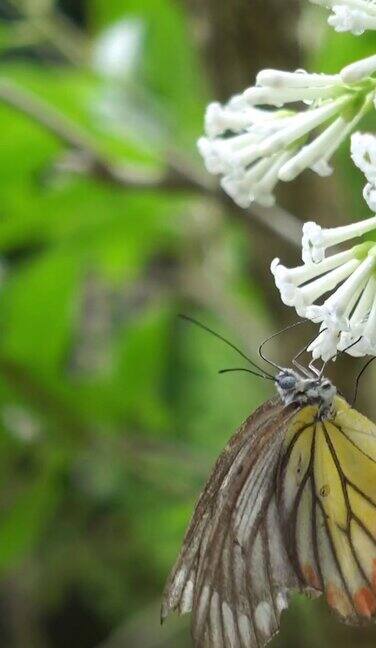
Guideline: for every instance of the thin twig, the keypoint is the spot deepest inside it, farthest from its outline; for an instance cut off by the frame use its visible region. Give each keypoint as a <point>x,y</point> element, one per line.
<point>87,157</point>
<point>95,161</point>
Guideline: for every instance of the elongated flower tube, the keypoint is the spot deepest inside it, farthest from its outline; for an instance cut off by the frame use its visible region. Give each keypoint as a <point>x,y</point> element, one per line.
<point>359,70</point>
<point>363,152</point>
<point>360,339</point>
<point>301,287</point>
<point>325,346</point>
<point>316,239</point>
<point>254,147</point>
<point>355,16</point>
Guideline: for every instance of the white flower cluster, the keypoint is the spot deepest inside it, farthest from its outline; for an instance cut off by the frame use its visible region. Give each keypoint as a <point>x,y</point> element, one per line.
<point>253,147</point>
<point>355,16</point>
<point>338,291</point>
<point>255,140</point>
<point>348,315</point>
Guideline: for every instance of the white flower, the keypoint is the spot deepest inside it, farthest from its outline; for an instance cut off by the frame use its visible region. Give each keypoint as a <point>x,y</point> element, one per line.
<point>344,314</point>
<point>325,345</point>
<point>301,287</point>
<point>335,311</point>
<point>359,336</point>
<point>316,239</point>
<point>359,70</point>
<point>354,16</point>
<point>369,193</point>
<point>360,339</point>
<point>339,293</point>
<point>363,152</point>
<point>252,148</point>
<point>344,19</point>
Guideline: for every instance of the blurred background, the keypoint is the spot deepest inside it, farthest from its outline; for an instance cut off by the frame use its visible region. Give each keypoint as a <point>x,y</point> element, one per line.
<point>111,408</point>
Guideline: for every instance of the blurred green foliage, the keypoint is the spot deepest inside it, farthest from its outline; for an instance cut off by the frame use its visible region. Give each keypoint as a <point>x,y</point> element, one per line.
<point>111,412</point>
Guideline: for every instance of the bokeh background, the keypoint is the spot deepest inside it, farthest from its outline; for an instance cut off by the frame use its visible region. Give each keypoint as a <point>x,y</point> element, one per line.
<point>111,408</point>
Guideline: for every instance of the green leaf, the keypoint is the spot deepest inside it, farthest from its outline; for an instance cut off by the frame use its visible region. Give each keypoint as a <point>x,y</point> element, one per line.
<point>20,529</point>
<point>143,365</point>
<point>38,306</point>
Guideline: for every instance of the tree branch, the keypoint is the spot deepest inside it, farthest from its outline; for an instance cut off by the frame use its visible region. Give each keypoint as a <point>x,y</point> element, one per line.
<point>86,157</point>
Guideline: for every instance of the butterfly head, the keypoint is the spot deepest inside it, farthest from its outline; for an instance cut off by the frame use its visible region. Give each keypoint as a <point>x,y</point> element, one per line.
<point>302,390</point>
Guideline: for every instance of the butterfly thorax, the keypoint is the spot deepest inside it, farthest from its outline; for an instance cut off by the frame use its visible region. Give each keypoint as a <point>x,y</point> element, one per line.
<point>302,390</point>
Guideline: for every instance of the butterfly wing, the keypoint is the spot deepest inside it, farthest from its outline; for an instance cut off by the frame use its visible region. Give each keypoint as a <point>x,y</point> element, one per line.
<point>290,504</point>
<point>233,572</point>
<point>327,501</point>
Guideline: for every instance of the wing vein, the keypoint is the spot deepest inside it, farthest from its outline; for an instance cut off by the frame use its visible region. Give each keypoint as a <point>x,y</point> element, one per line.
<point>311,472</point>
<point>349,440</point>
<point>336,559</point>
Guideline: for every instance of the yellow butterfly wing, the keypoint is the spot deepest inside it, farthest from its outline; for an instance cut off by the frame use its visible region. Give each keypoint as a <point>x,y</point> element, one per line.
<point>327,500</point>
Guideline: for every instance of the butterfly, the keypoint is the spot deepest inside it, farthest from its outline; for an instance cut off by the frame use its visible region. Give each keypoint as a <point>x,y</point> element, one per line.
<point>290,506</point>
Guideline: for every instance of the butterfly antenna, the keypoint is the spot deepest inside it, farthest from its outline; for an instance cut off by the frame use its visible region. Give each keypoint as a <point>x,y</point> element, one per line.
<point>254,373</point>
<point>271,337</point>
<point>360,374</point>
<point>223,339</point>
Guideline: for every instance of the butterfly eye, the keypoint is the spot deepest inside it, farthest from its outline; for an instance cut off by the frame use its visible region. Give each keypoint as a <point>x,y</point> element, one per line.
<point>287,382</point>
<point>326,385</point>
